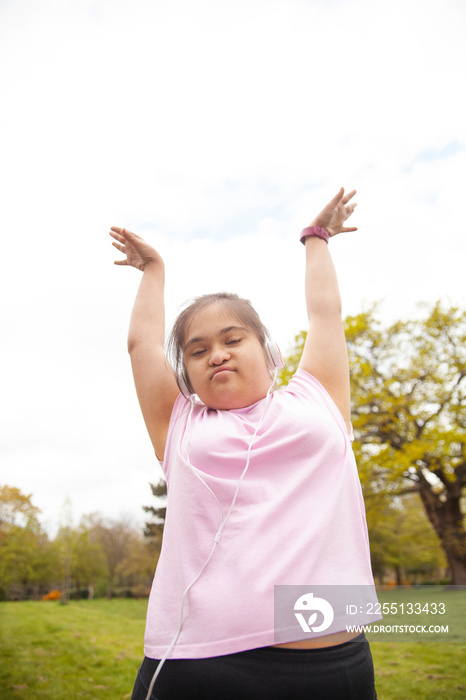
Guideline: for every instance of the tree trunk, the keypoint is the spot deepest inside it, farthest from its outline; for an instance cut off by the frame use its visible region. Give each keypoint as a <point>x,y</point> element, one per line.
<point>66,589</point>
<point>458,571</point>
<point>110,587</point>
<point>447,520</point>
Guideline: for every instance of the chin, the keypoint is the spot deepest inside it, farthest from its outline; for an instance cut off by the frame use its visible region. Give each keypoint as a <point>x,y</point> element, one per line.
<point>230,401</point>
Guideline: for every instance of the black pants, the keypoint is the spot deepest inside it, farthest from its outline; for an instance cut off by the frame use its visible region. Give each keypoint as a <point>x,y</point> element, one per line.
<point>343,672</point>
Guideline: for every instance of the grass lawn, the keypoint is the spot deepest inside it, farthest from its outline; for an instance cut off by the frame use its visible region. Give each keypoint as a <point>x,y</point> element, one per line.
<point>86,649</point>
<point>419,671</point>
<point>92,650</point>
<point>415,669</point>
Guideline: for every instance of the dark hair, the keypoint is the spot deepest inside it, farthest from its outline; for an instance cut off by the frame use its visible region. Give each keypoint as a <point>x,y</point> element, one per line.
<point>241,308</point>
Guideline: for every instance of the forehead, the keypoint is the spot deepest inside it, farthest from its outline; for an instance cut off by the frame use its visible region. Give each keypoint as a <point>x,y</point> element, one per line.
<point>211,320</point>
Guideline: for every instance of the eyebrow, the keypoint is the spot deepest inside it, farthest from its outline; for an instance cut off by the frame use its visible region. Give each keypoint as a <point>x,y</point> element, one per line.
<point>224,331</point>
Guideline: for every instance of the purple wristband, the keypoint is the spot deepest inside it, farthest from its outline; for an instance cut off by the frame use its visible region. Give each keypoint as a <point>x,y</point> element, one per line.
<point>317,231</point>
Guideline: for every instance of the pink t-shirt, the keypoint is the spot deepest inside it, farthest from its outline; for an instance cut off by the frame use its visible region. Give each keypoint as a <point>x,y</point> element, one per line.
<point>299,518</point>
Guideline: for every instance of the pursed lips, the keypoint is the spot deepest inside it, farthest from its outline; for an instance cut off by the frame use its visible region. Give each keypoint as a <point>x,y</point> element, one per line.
<point>221,369</point>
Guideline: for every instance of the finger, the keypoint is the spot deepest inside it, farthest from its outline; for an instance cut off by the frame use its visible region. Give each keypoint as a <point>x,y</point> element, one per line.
<point>117,236</point>
<point>129,235</point>
<point>338,197</point>
<point>348,229</point>
<point>120,230</point>
<point>120,262</point>
<point>119,247</point>
<point>347,198</point>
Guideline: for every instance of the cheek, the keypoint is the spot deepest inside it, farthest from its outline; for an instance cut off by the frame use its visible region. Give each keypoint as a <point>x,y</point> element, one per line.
<point>197,374</point>
<point>260,366</point>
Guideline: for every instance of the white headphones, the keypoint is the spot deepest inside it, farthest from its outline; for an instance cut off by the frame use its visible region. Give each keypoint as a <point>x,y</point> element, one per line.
<point>274,362</point>
<point>274,356</point>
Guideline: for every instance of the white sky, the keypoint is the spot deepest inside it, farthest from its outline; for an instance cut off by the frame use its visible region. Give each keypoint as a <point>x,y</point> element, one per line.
<point>216,130</point>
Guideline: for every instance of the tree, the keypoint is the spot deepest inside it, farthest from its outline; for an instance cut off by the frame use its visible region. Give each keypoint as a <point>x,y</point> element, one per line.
<point>82,560</point>
<point>136,571</point>
<point>155,528</point>
<point>409,415</point>
<point>88,564</point>
<point>116,538</point>
<point>26,555</point>
<point>403,544</point>
<point>64,542</point>
<point>16,509</point>
<point>104,553</point>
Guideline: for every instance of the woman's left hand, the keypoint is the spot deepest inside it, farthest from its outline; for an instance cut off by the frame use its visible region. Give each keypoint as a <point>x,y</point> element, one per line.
<point>333,216</point>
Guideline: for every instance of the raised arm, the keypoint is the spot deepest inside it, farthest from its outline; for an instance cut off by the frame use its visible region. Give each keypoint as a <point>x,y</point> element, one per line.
<point>154,377</point>
<point>325,354</point>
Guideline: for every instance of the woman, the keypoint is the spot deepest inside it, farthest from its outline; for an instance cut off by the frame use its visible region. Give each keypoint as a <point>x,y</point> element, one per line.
<point>263,492</point>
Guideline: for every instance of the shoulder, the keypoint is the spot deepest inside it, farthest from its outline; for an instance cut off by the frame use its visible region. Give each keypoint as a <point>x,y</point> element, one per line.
<point>302,382</point>
<point>305,386</point>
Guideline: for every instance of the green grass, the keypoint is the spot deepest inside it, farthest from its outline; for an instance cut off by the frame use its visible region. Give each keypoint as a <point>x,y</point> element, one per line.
<point>419,671</point>
<point>422,670</point>
<point>87,649</point>
<point>92,650</point>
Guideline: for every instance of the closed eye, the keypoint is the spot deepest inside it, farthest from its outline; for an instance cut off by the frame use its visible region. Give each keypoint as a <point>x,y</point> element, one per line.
<point>233,341</point>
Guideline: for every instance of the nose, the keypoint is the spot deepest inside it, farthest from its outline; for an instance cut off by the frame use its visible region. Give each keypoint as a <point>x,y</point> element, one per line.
<point>219,354</point>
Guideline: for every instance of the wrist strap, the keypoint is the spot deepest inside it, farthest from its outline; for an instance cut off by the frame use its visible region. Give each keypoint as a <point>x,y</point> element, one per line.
<point>316,231</point>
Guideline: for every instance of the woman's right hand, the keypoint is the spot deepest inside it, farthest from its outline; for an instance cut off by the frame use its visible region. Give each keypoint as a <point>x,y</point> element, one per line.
<point>138,253</point>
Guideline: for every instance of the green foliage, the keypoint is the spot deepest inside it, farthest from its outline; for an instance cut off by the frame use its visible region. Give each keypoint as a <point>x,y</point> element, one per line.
<point>16,509</point>
<point>409,391</point>
<point>82,560</point>
<point>402,541</point>
<point>117,552</point>
<point>154,528</point>
<point>27,558</point>
<point>100,556</point>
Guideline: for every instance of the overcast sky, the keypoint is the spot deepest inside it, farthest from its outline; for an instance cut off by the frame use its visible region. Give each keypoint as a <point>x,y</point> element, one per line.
<point>217,131</point>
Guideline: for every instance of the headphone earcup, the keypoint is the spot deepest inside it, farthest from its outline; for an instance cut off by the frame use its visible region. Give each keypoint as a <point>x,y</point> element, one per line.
<point>274,356</point>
